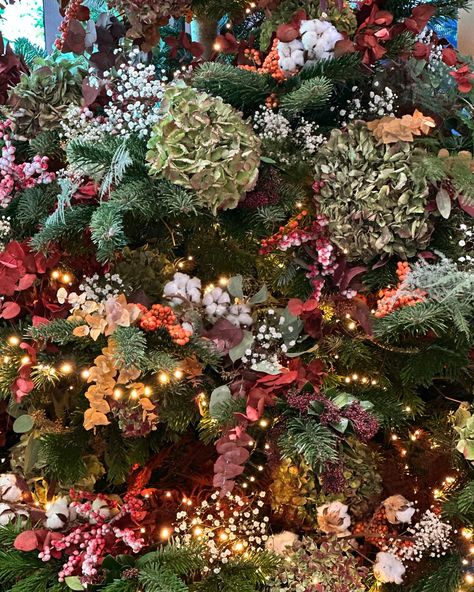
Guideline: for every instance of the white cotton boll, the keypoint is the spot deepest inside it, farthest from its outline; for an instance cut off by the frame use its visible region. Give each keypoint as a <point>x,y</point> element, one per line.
<point>310,40</point>
<point>9,489</point>
<point>287,64</point>
<point>279,542</point>
<point>170,289</point>
<point>284,50</point>
<point>307,26</point>
<point>245,319</point>
<point>194,295</point>
<point>57,515</point>
<point>221,309</point>
<point>388,568</point>
<point>181,279</point>
<point>211,309</point>
<point>295,45</point>
<point>6,514</point>
<point>298,58</point>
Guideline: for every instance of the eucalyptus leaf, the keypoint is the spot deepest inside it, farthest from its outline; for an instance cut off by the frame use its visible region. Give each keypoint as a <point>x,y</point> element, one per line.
<point>341,426</point>
<point>235,286</point>
<point>74,583</point>
<point>219,397</point>
<point>239,350</point>
<point>260,296</point>
<point>23,424</point>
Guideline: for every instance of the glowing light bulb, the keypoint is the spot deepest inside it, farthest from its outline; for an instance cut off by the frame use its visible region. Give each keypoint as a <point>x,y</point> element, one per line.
<point>180,265</point>
<point>347,379</point>
<point>351,326</point>
<point>239,547</point>
<point>85,374</point>
<point>197,531</point>
<point>147,390</point>
<point>469,579</point>
<point>263,423</point>
<point>133,394</point>
<point>66,278</point>
<point>178,374</point>
<point>66,368</point>
<point>466,533</point>
<point>223,281</point>
<point>55,274</point>
<point>223,536</point>
<point>168,494</point>
<point>252,478</point>
<point>14,340</point>
<point>117,393</point>
<point>394,437</point>
<point>408,409</point>
<point>142,530</point>
<point>163,378</point>
<point>25,360</point>
<point>355,377</point>
<point>260,468</point>
<point>165,533</point>
<point>217,47</point>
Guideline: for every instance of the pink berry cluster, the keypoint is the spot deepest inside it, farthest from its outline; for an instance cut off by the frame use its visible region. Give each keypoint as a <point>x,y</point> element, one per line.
<point>16,177</point>
<point>101,533</point>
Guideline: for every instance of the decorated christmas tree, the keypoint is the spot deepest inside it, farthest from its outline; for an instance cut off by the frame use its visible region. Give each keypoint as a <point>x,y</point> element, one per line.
<point>237,300</point>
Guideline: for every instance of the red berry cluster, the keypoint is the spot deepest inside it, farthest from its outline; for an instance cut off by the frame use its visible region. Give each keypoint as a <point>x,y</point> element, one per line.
<point>70,14</point>
<point>318,185</point>
<point>163,317</point>
<point>269,244</point>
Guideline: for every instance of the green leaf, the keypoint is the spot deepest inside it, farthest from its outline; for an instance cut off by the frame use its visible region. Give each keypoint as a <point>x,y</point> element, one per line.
<point>268,160</point>
<point>74,583</point>
<point>235,286</point>
<point>239,350</point>
<point>219,397</point>
<point>23,424</point>
<point>260,296</point>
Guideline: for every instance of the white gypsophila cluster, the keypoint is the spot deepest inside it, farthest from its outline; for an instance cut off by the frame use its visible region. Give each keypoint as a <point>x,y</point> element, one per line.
<point>99,288</point>
<point>435,57</point>
<point>226,527</point>
<point>467,260</point>
<point>268,346</point>
<point>5,229</point>
<point>79,122</point>
<point>318,39</point>
<point>307,136</point>
<point>217,303</point>
<point>431,537</point>
<point>271,126</point>
<point>135,93</point>
<point>381,103</point>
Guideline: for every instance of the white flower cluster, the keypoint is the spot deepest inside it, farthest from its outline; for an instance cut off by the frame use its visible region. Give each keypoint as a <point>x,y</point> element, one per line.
<point>135,94</point>
<point>274,127</point>
<point>380,103</point>
<point>216,302</point>
<point>307,136</point>
<point>435,58</point>
<point>94,290</point>
<point>268,346</point>
<point>227,527</point>
<point>271,126</point>
<point>431,537</point>
<point>318,39</point>
<point>467,260</point>
<point>5,228</point>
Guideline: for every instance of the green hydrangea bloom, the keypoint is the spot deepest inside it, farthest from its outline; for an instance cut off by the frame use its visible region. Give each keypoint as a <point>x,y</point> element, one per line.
<point>203,144</point>
<point>373,204</point>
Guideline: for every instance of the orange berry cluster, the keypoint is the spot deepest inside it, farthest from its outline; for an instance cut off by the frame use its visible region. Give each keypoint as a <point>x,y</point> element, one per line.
<point>270,64</point>
<point>271,102</point>
<point>253,55</point>
<point>378,526</point>
<point>390,300</point>
<point>163,317</point>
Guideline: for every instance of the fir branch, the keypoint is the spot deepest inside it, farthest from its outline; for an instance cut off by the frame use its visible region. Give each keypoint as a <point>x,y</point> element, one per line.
<point>337,69</point>
<point>307,439</point>
<point>446,578</point>
<point>157,578</point>
<point>15,564</point>
<point>130,347</point>
<point>33,207</point>
<point>47,143</point>
<point>62,455</point>
<point>461,505</point>
<point>28,51</point>
<point>107,230</point>
<point>59,331</point>
<point>415,321</point>
<point>76,220</point>
<point>311,95</point>
<point>121,586</point>
<point>180,560</point>
<point>241,88</point>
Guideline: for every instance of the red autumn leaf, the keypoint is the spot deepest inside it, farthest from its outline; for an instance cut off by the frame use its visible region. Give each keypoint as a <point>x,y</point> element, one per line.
<point>75,38</point>
<point>26,541</point>
<point>83,13</point>
<point>344,46</point>
<point>9,310</point>
<point>469,209</point>
<point>26,282</point>
<point>37,320</point>
<point>90,92</point>
<point>287,33</point>
<point>449,56</point>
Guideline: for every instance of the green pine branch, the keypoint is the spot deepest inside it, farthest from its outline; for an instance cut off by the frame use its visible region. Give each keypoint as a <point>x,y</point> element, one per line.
<point>311,95</point>
<point>307,439</point>
<point>130,347</point>
<point>461,505</point>
<point>446,578</point>
<point>65,230</point>
<point>243,89</point>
